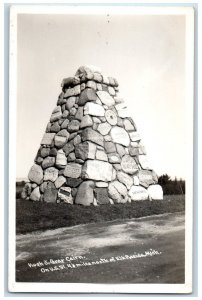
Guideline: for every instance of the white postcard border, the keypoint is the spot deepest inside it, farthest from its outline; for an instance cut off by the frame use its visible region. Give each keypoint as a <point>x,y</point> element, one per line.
<point>101,288</point>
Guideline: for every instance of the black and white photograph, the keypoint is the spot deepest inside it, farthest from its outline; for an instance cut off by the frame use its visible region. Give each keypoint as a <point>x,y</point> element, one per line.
<point>101,149</point>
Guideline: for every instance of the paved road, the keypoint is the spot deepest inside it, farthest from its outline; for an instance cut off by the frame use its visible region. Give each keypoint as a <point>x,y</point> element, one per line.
<point>144,250</point>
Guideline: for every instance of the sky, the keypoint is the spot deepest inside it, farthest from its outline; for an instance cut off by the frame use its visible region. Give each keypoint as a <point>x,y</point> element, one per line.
<point>145,53</point>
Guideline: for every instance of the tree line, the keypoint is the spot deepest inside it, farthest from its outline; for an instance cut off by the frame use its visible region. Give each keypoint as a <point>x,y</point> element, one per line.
<point>171,187</point>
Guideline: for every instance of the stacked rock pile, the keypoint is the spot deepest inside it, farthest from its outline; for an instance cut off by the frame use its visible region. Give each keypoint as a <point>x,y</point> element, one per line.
<point>91,152</point>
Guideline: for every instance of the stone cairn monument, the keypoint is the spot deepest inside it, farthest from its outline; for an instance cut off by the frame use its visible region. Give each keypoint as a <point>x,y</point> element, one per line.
<point>91,152</point>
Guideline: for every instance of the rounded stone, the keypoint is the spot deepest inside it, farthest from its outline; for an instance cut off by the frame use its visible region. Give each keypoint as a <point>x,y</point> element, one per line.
<point>86,121</point>
<point>155,192</point>
<point>94,109</point>
<point>70,102</point>
<point>72,170</point>
<point>125,179</point>
<point>53,152</point>
<point>74,192</point>
<point>85,193</point>
<point>64,133</point>
<point>101,155</point>
<point>45,152</point>
<point>61,159</point>
<point>72,136</point>
<point>73,182</point>
<point>43,186</point>
<point>87,95</point>
<point>50,174</point>
<point>121,150</point>
<point>120,136</point>
<point>99,87</point>
<point>35,195</point>
<point>49,161</point>
<point>117,167</point>
<point>71,157</point>
<point>48,127</point>
<point>65,113</point>
<point>111,117</point>
<point>101,195</point>
<point>38,160</point>
<point>50,193</point>
<point>65,124</point>
<point>68,148</point>
<point>96,120</point>
<point>104,128</point>
<point>138,193</point>
<point>118,192</point>
<point>136,180</point>
<point>106,98</point>
<point>133,151</point>
<point>79,113</point>
<point>111,91</point>
<point>73,111</point>
<point>114,158</point>
<point>77,140</point>
<point>83,85</point>
<point>60,141</point>
<point>36,174</point>
<point>97,77</point>
<point>56,114</point>
<point>107,138</point>
<point>109,147</point>
<point>91,84</point>
<point>73,126</point>
<point>128,164</point>
<point>128,125</point>
<point>97,170</point>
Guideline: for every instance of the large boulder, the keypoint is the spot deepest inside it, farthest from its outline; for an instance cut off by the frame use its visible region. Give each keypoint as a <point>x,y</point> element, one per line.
<point>50,193</point>
<point>72,170</point>
<point>120,136</point>
<point>155,192</point>
<point>137,193</point>
<point>50,174</point>
<point>36,174</point>
<point>91,135</point>
<point>126,179</point>
<point>86,96</point>
<point>94,109</point>
<point>85,150</point>
<point>129,165</point>
<point>97,170</point>
<point>118,192</point>
<point>105,98</point>
<point>47,139</point>
<point>101,195</point>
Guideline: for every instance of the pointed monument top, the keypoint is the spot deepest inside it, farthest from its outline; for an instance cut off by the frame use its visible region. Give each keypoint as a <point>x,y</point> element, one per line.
<point>91,152</point>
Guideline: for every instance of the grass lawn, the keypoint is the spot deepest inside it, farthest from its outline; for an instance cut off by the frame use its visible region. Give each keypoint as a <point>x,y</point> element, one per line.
<point>31,216</point>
